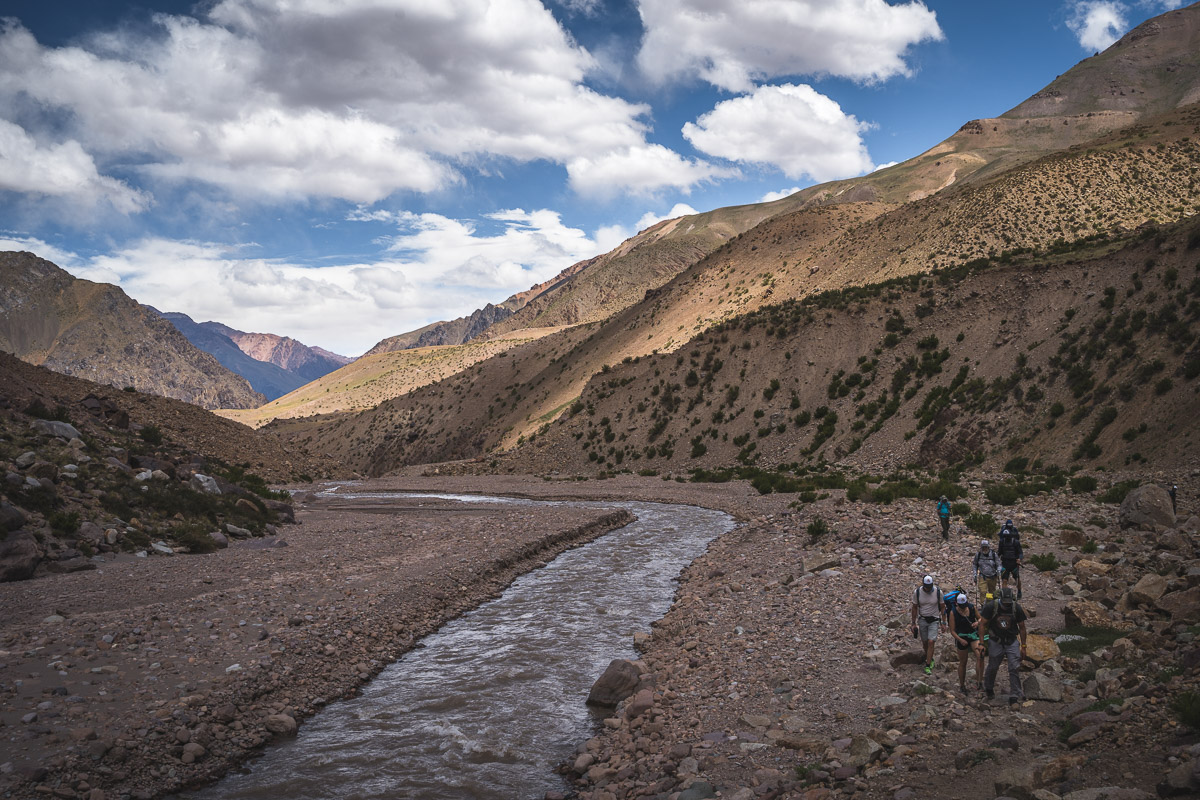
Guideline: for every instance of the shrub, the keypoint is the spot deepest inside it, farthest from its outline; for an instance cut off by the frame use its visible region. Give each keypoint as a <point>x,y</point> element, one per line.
<point>1092,639</point>
<point>1002,494</point>
<point>151,435</point>
<point>195,539</point>
<point>37,409</point>
<point>1016,465</point>
<point>1045,562</point>
<point>1186,706</point>
<point>817,528</point>
<point>1089,546</point>
<point>981,523</point>
<point>64,523</point>
<point>1083,484</point>
<point>1116,493</point>
<point>960,509</point>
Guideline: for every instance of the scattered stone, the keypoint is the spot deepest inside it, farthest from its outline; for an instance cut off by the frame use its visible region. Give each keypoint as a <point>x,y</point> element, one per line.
<point>619,681</point>
<point>1147,508</point>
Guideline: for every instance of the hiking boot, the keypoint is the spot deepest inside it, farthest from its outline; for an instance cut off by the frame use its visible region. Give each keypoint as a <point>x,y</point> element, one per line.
<point>1013,700</point>
<point>990,694</point>
<point>929,668</point>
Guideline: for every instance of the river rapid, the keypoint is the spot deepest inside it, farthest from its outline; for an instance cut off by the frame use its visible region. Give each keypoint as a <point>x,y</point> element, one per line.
<point>489,705</point>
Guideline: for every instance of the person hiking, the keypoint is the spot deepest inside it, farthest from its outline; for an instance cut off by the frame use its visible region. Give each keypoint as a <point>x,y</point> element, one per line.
<point>1172,492</point>
<point>987,570</point>
<point>927,617</point>
<point>1011,555</point>
<point>964,627</point>
<point>943,512</point>
<point>1002,622</point>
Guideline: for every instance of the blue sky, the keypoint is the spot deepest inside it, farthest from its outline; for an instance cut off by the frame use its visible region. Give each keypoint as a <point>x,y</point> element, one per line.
<point>344,170</point>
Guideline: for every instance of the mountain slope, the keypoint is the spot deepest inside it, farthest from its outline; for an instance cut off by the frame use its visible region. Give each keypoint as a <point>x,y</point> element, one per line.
<point>266,378</point>
<point>306,363</point>
<point>95,331</point>
<point>454,332</point>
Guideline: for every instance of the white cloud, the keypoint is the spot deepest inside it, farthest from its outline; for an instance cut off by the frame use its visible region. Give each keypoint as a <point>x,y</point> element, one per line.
<point>885,166</point>
<point>1098,23</point>
<point>642,170</point>
<point>792,128</point>
<point>678,210</point>
<point>734,43</point>
<point>292,99</point>
<point>771,197</point>
<point>61,171</point>
<point>42,249</point>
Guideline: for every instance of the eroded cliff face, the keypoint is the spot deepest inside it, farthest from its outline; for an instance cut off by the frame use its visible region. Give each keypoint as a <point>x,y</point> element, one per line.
<point>96,331</point>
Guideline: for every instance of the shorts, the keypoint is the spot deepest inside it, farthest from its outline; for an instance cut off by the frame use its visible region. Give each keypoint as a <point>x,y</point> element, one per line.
<point>1013,571</point>
<point>971,639</point>
<point>928,630</point>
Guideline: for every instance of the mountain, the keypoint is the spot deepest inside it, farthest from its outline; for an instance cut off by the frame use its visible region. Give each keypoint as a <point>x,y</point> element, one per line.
<point>1021,190</point>
<point>307,363</point>
<point>95,331</point>
<point>453,332</point>
<point>266,378</point>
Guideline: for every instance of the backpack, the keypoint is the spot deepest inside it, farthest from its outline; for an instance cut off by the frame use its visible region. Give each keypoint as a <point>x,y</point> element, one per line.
<point>1009,544</point>
<point>1003,624</point>
<point>950,599</point>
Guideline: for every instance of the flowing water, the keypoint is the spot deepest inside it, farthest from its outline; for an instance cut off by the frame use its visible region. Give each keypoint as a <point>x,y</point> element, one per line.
<point>489,705</point>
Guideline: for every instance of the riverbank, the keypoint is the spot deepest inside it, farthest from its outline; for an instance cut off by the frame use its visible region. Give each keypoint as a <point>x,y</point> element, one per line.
<point>786,669</point>
<point>146,676</point>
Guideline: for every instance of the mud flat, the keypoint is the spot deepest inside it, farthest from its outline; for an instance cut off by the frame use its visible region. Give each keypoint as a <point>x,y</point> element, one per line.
<point>149,675</point>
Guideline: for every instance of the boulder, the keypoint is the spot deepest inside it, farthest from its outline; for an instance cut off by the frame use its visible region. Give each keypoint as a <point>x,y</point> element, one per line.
<point>219,538</point>
<point>1183,606</point>
<point>1087,568</point>
<point>619,681</point>
<point>26,459</point>
<point>1147,508</point>
<point>1040,649</point>
<point>50,427</point>
<point>11,517</point>
<point>641,702</point>
<point>1148,590</point>
<point>1018,781</point>
<point>236,532</point>
<point>280,724</point>
<point>43,469</point>
<point>1071,538</point>
<point>205,483</point>
<point>19,556</point>
<point>1039,686</point>
<point>862,751</point>
<point>1085,613</point>
<point>283,510</point>
<point>91,532</point>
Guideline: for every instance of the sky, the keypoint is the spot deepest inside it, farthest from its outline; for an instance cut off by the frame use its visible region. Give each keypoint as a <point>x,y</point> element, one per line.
<point>340,171</point>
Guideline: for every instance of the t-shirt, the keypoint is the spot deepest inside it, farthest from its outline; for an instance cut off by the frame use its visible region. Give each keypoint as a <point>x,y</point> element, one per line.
<point>963,618</point>
<point>929,604</point>
<point>987,564</point>
<point>991,611</point>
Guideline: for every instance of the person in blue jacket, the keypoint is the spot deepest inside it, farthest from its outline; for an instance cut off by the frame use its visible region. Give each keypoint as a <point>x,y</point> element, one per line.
<point>943,512</point>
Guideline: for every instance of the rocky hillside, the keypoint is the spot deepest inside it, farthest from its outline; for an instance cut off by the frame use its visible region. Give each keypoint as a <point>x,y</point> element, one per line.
<point>307,363</point>
<point>454,332</point>
<point>95,331</point>
<point>93,472</point>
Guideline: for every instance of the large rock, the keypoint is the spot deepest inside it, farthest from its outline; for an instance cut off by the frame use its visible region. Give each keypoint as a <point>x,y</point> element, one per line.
<point>63,430</point>
<point>619,681</point>
<point>861,752</point>
<point>1086,614</point>
<point>1148,590</point>
<point>283,510</point>
<point>1147,508</point>
<point>1040,649</point>
<point>1039,686</point>
<point>19,556</point>
<point>11,517</point>
<point>280,724</point>
<point>1183,606</point>
<point>205,483</point>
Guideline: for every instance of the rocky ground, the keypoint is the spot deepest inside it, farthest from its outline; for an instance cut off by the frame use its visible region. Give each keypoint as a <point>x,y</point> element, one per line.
<point>147,675</point>
<point>786,668</point>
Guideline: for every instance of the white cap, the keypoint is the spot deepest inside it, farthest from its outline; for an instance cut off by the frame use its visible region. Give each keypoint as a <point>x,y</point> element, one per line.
<point>928,580</point>
<point>962,599</point>
<point>984,543</point>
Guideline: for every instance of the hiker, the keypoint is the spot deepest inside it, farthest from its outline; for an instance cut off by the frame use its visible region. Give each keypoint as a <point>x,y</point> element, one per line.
<point>1011,555</point>
<point>1002,622</point>
<point>943,512</point>
<point>964,627</point>
<point>987,570</point>
<point>927,617</point>
<point>1174,488</point>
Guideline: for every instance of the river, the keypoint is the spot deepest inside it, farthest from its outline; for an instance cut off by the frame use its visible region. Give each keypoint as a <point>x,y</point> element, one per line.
<point>491,703</point>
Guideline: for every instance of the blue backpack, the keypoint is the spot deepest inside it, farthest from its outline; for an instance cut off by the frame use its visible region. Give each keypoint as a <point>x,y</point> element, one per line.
<point>951,598</point>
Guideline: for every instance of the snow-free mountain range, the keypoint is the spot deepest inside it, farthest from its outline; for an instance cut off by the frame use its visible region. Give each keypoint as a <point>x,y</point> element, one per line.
<point>1001,294</point>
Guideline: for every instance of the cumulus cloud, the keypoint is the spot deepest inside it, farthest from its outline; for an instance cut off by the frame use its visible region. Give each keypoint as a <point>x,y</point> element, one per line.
<point>734,43</point>
<point>651,218</point>
<point>643,170</point>
<point>771,197</point>
<point>792,128</point>
<point>295,99</point>
<point>61,170</point>
<point>1098,23</point>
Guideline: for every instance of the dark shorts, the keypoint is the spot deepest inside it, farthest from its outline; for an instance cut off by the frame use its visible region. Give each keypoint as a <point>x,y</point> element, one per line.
<point>1013,571</point>
<point>971,639</point>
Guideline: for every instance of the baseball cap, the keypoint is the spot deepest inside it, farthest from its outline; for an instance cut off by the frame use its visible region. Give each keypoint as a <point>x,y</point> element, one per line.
<point>984,543</point>
<point>962,599</point>
<point>928,580</point>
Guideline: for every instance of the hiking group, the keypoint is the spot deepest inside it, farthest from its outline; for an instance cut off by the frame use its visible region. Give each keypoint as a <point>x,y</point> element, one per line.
<point>997,626</point>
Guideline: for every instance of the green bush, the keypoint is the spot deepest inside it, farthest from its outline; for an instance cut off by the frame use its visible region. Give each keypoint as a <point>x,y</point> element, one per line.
<point>1093,639</point>
<point>1083,484</point>
<point>1002,494</point>
<point>1186,706</point>
<point>64,523</point>
<point>1017,465</point>
<point>982,523</point>
<point>1045,562</point>
<point>151,435</point>
<point>1116,493</point>
<point>1089,546</point>
<point>960,509</point>
<point>817,528</point>
<point>195,539</point>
